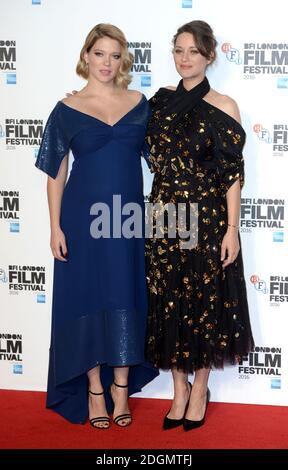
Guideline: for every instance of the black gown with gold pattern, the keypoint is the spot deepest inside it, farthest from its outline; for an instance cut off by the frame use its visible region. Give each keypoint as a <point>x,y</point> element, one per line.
<point>198,312</point>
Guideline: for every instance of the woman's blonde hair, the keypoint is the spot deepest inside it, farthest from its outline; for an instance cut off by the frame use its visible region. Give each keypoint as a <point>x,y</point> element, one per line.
<point>102,30</point>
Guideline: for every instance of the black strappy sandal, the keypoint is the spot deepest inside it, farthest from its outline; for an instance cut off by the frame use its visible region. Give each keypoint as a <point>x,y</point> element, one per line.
<point>119,418</point>
<point>100,419</point>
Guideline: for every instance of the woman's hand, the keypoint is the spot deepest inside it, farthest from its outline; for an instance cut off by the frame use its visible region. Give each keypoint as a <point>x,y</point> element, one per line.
<point>230,247</point>
<point>58,244</point>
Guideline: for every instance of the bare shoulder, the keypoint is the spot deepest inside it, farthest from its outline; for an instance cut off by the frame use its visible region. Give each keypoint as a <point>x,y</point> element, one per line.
<point>68,100</point>
<point>135,95</point>
<point>169,87</point>
<point>229,106</point>
<point>71,99</point>
<point>225,103</point>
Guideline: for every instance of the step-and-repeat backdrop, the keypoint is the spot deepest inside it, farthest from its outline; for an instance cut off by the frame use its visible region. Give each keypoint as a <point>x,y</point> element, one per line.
<point>40,41</point>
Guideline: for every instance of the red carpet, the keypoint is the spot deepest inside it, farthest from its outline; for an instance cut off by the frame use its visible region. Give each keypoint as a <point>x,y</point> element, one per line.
<point>28,425</point>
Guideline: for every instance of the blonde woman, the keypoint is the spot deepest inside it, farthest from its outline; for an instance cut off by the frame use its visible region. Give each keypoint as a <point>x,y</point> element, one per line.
<point>99,295</point>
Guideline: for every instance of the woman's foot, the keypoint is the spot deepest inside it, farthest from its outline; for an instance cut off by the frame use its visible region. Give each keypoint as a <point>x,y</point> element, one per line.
<point>180,400</point>
<point>121,415</point>
<point>197,403</point>
<point>98,415</point>
<point>175,415</point>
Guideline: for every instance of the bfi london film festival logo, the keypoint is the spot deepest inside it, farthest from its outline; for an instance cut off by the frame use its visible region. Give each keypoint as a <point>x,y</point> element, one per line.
<point>260,59</point>
<point>25,279</point>
<point>8,61</point>
<point>9,209</point>
<point>141,68</point>
<point>265,361</point>
<point>262,214</point>
<point>278,137</point>
<point>276,288</point>
<point>18,132</point>
<point>11,347</point>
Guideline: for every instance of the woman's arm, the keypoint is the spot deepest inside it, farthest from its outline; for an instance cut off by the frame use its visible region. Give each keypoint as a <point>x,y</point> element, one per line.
<point>55,188</point>
<point>230,244</point>
<point>233,198</point>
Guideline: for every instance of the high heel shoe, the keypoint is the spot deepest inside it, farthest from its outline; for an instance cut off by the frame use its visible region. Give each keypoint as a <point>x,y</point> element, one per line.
<point>169,423</point>
<point>189,424</point>
<point>123,416</point>
<point>99,419</point>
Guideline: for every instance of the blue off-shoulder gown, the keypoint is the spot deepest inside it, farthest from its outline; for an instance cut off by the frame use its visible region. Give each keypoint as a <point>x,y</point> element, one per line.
<point>99,295</point>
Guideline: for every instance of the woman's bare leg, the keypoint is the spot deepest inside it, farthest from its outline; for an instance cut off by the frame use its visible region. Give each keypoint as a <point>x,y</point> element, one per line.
<point>197,403</point>
<point>97,406</point>
<point>120,394</point>
<point>181,394</point>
